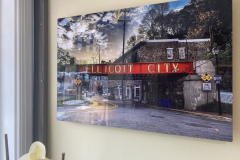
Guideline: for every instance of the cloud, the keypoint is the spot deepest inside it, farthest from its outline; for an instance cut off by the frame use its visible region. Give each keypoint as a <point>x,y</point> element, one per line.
<point>108,17</point>
<point>140,10</point>
<point>91,32</point>
<point>82,28</point>
<point>61,31</point>
<point>98,35</point>
<point>64,22</point>
<point>69,34</point>
<point>96,18</point>
<point>74,25</point>
<point>103,36</point>
<point>66,44</point>
<point>178,9</point>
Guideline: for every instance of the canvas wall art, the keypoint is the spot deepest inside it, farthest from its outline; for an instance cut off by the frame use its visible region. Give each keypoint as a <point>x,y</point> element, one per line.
<point>164,68</point>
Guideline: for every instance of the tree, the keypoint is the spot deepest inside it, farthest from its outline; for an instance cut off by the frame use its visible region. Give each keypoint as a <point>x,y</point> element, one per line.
<point>160,20</point>
<point>152,26</point>
<point>131,42</point>
<point>216,14</point>
<point>147,28</point>
<point>64,59</point>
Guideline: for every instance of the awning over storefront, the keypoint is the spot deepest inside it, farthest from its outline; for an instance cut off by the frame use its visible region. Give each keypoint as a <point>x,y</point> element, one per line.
<point>137,68</point>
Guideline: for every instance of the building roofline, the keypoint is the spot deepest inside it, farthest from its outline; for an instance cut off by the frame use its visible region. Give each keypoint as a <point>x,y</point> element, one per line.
<point>177,40</point>
<point>162,40</point>
<point>195,40</point>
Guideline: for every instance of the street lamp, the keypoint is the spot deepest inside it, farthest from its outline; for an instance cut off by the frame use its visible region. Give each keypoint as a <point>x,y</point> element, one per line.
<point>215,52</point>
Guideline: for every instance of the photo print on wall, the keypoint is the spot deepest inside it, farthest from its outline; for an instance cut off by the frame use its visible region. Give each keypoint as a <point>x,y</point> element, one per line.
<point>164,68</point>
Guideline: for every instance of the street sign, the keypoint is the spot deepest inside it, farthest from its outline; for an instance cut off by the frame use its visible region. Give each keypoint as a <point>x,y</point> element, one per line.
<point>206,77</point>
<point>137,68</point>
<point>217,79</point>
<point>207,87</point>
<point>77,81</point>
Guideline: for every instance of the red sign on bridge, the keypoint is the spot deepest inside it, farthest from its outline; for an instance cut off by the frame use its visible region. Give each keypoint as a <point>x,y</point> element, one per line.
<point>138,68</point>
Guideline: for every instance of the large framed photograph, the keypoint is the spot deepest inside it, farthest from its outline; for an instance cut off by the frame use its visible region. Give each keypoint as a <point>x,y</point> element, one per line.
<point>149,68</point>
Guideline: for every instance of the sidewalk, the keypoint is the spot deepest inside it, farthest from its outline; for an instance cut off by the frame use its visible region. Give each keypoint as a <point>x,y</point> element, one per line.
<point>212,115</point>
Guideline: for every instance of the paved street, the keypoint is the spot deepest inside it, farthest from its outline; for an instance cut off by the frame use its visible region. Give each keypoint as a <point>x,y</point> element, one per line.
<point>139,117</point>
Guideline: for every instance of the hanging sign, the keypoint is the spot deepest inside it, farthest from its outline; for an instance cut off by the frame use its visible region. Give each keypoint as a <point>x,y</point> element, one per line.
<point>138,68</point>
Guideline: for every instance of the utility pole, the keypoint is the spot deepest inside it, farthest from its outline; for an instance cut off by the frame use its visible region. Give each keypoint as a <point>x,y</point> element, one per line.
<point>99,53</point>
<point>215,51</point>
<point>218,88</point>
<point>124,28</point>
<point>99,45</point>
<point>99,62</point>
<point>211,37</point>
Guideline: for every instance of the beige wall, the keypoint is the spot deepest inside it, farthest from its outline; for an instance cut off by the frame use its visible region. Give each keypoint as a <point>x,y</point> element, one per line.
<point>88,142</point>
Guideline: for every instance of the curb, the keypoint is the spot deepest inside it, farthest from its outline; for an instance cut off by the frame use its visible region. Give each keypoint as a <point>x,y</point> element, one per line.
<point>222,118</point>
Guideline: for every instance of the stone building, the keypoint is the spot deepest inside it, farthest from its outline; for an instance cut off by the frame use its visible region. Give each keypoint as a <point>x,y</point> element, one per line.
<point>164,50</point>
<point>168,90</point>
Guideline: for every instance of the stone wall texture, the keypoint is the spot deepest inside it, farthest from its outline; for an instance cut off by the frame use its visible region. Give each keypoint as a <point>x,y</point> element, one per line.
<point>157,51</point>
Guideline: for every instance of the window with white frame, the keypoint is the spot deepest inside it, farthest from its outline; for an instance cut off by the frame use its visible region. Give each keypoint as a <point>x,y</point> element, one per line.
<point>17,76</point>
<point>169,53</point>
<point>181,53</point>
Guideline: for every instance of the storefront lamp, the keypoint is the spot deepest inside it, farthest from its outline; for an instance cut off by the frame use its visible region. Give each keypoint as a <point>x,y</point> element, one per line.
<point>215,51</point>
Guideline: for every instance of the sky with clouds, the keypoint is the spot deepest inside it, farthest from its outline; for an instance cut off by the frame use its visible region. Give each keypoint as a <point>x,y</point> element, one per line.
<point>82,35</point>
<point>178,4</point>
